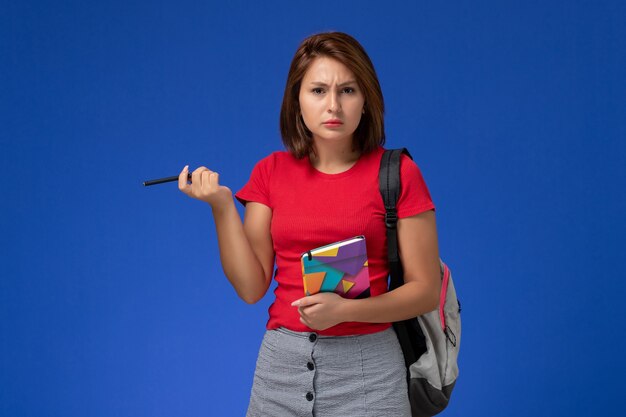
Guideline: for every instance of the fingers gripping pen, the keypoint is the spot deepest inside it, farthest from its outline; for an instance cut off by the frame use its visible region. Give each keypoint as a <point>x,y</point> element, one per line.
<point>163,180</point>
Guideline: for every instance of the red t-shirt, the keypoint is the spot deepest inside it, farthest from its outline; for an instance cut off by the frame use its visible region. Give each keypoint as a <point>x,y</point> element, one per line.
<point>312,209</point>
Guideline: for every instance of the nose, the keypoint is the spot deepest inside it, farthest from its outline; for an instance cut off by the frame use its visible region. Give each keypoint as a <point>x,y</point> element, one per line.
<point>334,105</point>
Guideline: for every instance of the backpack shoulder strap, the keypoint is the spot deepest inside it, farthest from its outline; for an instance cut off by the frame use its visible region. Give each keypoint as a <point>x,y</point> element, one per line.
<point>390,187</point>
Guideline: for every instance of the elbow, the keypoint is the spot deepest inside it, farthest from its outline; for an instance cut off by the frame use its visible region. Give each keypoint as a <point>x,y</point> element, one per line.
<point>435,296</point>
<point>250,290</point>
<point>251,298</point>
<point>252,295</point>
<point>431,302</point>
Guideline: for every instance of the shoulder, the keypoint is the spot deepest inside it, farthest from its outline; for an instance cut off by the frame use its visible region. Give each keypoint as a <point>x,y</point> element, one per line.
<point>373,157</point>
<point>277,158</point>
<point>268,162</point>
<point>407,164</point>
<point>276,164</point>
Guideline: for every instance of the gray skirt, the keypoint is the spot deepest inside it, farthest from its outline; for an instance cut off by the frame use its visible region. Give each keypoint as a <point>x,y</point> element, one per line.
<point>304,374</point>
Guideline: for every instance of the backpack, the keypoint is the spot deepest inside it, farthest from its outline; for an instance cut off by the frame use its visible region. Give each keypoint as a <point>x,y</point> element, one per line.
<point>430,342</point>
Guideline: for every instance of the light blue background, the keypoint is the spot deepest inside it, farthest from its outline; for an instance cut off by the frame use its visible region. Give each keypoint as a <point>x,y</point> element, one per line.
<point>112,297</point>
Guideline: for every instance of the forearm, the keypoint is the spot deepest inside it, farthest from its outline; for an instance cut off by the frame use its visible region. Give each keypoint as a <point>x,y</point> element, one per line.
<point>409,300</point>
<point>239,262</point>
<point>419,255</point>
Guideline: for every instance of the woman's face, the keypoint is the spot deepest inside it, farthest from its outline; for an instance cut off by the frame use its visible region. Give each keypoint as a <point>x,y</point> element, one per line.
<point>331,101</point>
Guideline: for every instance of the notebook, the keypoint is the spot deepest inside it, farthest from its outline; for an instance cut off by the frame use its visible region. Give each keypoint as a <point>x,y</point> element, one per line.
<point>339,267</point>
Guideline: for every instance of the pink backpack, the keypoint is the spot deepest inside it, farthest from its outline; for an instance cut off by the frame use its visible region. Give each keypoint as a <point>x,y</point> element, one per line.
<point>430,342</point>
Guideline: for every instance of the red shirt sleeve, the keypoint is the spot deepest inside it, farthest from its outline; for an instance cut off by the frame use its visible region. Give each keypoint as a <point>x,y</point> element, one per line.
<point>414,196</point>
<point>257,187</point>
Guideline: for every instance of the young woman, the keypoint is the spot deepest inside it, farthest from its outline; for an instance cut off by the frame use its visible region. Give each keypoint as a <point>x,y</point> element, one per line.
<point>324,354</point>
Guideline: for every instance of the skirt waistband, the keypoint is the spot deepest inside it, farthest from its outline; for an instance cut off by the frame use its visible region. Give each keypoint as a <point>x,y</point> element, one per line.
<point>320,336</point>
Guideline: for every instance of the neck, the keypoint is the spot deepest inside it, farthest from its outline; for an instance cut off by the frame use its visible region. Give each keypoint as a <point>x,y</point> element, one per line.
<point>333,157</point>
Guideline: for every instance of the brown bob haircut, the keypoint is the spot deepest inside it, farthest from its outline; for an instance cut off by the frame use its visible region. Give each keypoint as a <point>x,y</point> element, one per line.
<point>344,48</point>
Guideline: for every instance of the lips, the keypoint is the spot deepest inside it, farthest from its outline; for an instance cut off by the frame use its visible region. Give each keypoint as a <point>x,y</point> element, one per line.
<point>333,122</point>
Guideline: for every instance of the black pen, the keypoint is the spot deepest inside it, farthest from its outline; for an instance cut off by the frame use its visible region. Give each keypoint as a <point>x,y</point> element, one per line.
<point>163,180</point>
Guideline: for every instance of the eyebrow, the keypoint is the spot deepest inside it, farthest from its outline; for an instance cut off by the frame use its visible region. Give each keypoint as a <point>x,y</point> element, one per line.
<point>321,84</point>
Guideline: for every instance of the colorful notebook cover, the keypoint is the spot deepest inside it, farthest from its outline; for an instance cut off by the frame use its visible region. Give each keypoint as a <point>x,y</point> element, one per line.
<point>340,267</point>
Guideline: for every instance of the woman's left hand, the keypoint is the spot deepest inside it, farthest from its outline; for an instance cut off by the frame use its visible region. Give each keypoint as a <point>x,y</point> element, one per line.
<point>321,311</point>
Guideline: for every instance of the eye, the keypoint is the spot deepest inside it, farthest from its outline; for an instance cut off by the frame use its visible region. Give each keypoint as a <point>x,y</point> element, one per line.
<point>348,90</point>
<point>317,90</point>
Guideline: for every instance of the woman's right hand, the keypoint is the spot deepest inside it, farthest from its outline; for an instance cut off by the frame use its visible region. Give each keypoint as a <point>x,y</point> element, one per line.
<point>205,187</point>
